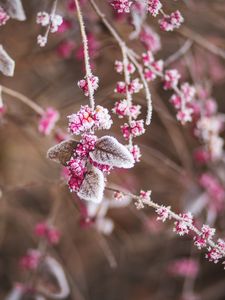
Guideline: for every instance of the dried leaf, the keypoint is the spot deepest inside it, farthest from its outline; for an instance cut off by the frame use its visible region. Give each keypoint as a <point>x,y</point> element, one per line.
<point>7,64</point>
<point>109,151</point>
<point>14,8</point>
<point>93,185</point>
<point>62,152</point>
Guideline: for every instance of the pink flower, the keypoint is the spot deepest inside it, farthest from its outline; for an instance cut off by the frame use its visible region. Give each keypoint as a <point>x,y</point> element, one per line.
<point>185,267</point>
<point>147,58</point>
<point>65,49</point>
<point>135,128</point>
<point>171,79</point>
<point>86,145</point>
<point>56,21</point>
<point>120,67</point>
<point>4,17</point>
<point>201,156</point>
<point>31,260</point>
<point>183,226</point>
<point>43,18</point>
<point>83,84</point>
<point>185,115</point>
<point>121,6</point>
<point>48,120</point>
<point>150,39</point>
<point>118,195</point>
<point>135,86</point>
<point>154,7</point>
<point>82,121</point>
<point>74,183</point>
<point>51,234</point>
<point>120,87</point>
<point>171,22</point>
<point>77,167</point>
<point>163,213</point>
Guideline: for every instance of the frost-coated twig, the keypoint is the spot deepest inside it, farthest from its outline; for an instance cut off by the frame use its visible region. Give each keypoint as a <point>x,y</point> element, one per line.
<point>184,223</point>
<point>124,47</point>
<point>86,55</point>
<point>38,109</point>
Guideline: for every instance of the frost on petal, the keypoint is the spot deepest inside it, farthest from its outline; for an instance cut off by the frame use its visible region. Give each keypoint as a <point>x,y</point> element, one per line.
<point>55,270</point>
<point>93,185</point>
<point>7,64</point>
<point>109,151</point>
<point>62,152</point>
<point>14,8</point>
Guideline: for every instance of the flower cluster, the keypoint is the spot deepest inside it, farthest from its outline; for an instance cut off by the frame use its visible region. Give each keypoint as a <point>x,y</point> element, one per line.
<point>208,125</point>
<point>121,6</point>
<point>31,260</point>
<point>150,39</point>
<point>48,120</point>
<point>184,95</point>
<point>52,21</point>
<point>184,267</point>
<point>87,119</point>
<point>4,17</point>
<point>172,21</point>
<point>125,108</point>
<point>48,232</point>
<point>168,22</point>
<point>83,84</point>
<point>182,226</point>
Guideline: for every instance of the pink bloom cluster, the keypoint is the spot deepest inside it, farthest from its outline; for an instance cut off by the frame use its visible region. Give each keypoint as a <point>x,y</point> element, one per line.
<point>172,21</point>
<point>206,234</point>
<point>185,267</point>
<point>134,129</point>
<point>87,119</point>
<point>83,84</point>
<point>121,6</point>
<point>150,39</point>
<point>182,98</point>
<point>182,227</point>
<point>31,260</point>
<point>53,22</point>
<point>125,108</point>
<point>214,189</point>
<point>4,17</point>
<point>48,232</point>
<point>48,120</point>
<point>208,125</point>
<point>154,7</point>
<point>163,213</point>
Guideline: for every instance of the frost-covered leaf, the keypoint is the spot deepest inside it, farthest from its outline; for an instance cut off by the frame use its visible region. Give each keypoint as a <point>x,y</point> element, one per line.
<point>7,64</point>
<point>14,9</point>
<point>51,266</point>
<point>109,151</point>
<point>93,185</point>
<point>62,152</point>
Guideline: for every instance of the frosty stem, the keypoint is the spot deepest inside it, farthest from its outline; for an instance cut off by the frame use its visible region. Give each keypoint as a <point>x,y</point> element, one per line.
<point>86,55</point>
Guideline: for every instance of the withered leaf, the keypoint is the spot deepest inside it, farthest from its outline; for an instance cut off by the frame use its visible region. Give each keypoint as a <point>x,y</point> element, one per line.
<point>62,152</point>
<point>109,151</point>
<point>93,185</point>
<point>7,64</point>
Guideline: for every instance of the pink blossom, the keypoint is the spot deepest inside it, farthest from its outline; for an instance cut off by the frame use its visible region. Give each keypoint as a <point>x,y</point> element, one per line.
<point>150,39</point>
<point>4,17</point>
<point>171,79</point>
<point>43,18</point>
<point>41,40</point>
<point>201,156</point>
<point>31,260</point>
<point>149,75</point>
<point>147,58</point>
<point>171,22</point>
<point>65,49</point>
<point>154,7</point>
<point>122,109</point>
<point>163,213</point>
<point>120,87</point>
<point>185,267</point>
<point>48,120</point>
<point>74,183</point>
<point>183,226</point>
<point>77,167</point>
<point>83,84</point>
<point>118,195</point>
<point>56,21</point>
<point>135,86</point>
<point>47,231</point>
<point>145,195</point>
<point>86,145</point>
<point>214,255</point>
<point>121,6</point>
<point>135,128</point>
<point>120,67</point>
<point>185,115</point>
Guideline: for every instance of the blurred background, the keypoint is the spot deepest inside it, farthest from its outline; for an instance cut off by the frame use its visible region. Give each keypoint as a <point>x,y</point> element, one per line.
<point>142,258</point>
